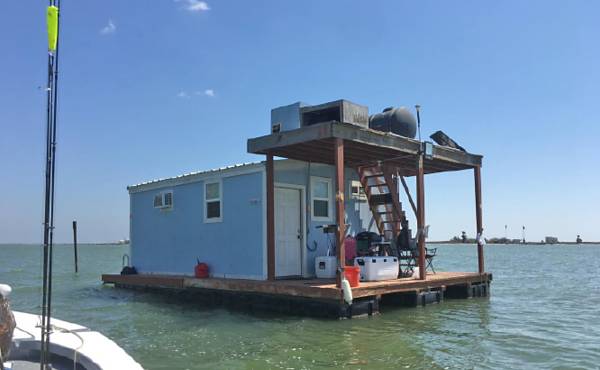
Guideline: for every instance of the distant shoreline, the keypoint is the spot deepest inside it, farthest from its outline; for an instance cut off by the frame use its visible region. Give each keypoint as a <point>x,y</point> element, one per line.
<point>526,243</point>
<point>111,244</point>
<point>68,244</point>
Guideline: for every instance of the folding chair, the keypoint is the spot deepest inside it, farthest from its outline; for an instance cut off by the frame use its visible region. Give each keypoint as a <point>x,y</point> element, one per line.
<point>430,253</point>
<point>406,252</point>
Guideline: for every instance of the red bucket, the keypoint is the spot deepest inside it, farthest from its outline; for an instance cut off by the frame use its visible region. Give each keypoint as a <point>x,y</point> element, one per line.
<point>352,274</point>
<point>201,270</point>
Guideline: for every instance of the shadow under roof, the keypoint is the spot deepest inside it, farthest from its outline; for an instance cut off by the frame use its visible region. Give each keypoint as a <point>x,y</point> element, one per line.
<point>362,147</point>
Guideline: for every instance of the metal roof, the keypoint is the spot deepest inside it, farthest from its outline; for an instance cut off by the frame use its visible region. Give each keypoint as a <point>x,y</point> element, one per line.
<point>194,174</point>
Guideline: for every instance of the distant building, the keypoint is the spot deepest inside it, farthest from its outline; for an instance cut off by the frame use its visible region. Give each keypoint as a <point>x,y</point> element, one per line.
<point>551,240</point>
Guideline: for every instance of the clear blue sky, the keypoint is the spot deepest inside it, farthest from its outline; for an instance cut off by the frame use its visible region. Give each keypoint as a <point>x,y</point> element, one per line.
<point>152,89</point>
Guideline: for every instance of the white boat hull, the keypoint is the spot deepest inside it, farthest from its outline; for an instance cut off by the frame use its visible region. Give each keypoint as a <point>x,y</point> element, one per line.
<point>84,347</point>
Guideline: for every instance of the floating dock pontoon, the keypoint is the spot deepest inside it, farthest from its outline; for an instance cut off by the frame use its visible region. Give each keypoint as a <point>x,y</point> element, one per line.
<point>312,297</point>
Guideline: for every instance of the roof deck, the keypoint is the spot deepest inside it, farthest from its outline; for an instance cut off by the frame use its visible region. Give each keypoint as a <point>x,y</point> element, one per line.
<point>362,147</point>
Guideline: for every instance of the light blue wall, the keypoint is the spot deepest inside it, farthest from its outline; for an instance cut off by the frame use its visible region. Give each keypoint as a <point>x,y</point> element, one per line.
<point>358,214</point>
<point>169,241</point>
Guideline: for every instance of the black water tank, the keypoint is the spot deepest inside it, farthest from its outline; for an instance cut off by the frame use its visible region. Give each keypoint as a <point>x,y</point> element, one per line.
<point>399,121</point>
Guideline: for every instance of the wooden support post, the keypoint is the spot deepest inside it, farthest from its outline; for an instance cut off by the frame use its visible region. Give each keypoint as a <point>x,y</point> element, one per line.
<point>339,207</point>
<point>75,246</point>
<point>421,217</point>
<point>478,213</point>
<point>270,218</point>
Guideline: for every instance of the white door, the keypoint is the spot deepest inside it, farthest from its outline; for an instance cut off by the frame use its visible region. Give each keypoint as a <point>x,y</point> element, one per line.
<point>288,232</point>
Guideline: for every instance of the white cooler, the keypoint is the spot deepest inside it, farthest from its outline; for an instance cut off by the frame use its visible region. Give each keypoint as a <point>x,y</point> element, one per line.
<point>377,268</point>
<point>325,267</point>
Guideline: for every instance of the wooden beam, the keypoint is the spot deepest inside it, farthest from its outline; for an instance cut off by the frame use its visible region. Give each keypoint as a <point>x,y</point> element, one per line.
<point>401,144</point>
<point>410,199</point>
<point>421,217</point>
<point>270,218</point>
<point>340,211</point>
<point>275,288</point>
<point>439,280</point>
<point>266,144</point>
<point>153,280</point>
<point>381,145</point>
<point>479,216</point>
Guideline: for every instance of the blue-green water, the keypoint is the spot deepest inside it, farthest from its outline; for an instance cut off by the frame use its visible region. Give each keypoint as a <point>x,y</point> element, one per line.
<point>544,313</point>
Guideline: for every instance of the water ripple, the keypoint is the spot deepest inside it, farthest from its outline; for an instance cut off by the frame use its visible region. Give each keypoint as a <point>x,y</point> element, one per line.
<point>542,317</point>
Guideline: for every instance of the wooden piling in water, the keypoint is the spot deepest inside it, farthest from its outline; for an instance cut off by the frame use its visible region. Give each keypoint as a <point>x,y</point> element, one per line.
<point>75,246</point>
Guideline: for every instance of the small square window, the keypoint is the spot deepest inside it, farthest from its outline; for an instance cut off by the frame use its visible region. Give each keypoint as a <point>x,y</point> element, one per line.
<point>321,208</point>
<point>321,189</point>
<point>213,209</point>
<point>163,200</point>
<point>357,191</point>
<point>212,191</point>
<point>213,204</point>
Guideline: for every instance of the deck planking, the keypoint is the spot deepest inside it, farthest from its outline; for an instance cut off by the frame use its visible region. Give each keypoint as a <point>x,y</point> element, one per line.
<point>322,289</point>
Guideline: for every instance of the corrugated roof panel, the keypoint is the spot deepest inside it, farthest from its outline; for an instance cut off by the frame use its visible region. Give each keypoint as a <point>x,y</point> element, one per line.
<point>196,173</point>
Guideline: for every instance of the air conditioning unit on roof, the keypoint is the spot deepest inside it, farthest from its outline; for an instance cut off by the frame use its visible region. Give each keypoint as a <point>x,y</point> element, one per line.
<point>339,110</point>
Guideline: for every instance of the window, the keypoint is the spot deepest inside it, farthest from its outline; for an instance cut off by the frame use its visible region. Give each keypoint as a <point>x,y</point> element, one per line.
<point>168,199</point>
<point>357,191</point>
<point>158,201</point>
<point>321,198</point>
<point>163,200</point>
<point>213,205</point>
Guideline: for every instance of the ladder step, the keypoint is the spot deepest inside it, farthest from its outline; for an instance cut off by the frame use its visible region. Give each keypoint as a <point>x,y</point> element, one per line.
<point>376,185</point>
<point>371,167</point>
<point>378,199</point>
<point>372,176</point>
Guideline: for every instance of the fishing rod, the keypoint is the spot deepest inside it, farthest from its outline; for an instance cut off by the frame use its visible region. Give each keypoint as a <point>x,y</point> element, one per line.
<point>53,22</point>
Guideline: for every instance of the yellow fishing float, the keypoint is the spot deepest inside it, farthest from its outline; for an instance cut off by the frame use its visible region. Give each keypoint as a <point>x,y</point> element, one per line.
<point>52,24</point>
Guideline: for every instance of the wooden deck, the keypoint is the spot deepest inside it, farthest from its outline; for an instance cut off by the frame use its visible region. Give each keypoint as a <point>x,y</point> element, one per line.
<point>312,288</point>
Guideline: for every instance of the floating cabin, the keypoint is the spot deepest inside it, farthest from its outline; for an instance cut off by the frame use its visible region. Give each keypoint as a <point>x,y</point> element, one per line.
<point>256,225</point>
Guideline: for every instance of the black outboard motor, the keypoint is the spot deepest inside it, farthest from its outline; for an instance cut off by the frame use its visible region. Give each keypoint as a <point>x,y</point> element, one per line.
<point>399,121</point>
<point>127,269</point>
